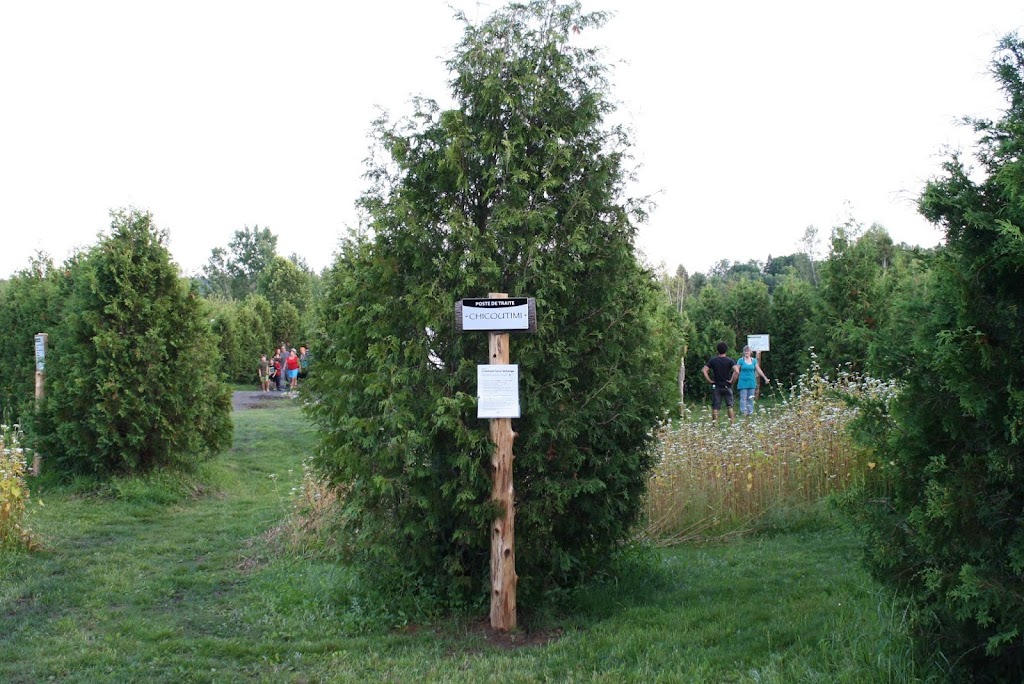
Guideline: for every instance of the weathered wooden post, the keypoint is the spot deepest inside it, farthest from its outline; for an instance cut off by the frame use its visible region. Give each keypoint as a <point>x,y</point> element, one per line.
<point>40,343</point>
<point>682,383</point>
<point>503,529</point>
<point>498,400</point>
<point>757,378</point>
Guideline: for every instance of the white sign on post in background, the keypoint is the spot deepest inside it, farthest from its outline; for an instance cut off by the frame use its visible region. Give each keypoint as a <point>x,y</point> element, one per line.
<point>758,343</point>
<point>40,352</point>
<point>497,390</point>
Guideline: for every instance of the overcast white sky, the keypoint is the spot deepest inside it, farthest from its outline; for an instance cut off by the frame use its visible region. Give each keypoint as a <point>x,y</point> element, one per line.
<point>751,120</point>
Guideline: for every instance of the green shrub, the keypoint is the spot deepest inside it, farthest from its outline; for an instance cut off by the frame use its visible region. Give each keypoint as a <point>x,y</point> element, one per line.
<point>951,536</point>
<point>132,380</point>
<point>29,304</point>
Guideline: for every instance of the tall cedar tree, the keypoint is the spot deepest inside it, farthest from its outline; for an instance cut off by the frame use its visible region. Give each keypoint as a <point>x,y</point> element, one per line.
<point>953,539</point>
<point>29,304</point>
<point>132,381</point>
<point>518,190</point>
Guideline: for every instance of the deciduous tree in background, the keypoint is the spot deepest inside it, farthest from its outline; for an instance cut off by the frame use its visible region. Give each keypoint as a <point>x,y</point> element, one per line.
<point>289,289</point>
<point>519,189</point>
<point>234,272</point>
<point>283,289</point>
<point>283,281</point>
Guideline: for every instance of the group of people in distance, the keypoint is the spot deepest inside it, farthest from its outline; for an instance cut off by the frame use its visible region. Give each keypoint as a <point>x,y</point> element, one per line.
<point>282,369</point>
<point>722,372</point>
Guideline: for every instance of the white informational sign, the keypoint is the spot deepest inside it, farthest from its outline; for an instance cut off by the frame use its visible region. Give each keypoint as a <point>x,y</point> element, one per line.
<point>497,391</point>
<point>758,343</point>
<point>496,314</point>
<point>40,352</point>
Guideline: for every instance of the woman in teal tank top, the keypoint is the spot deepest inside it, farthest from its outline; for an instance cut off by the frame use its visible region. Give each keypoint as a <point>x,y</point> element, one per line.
<point>747,383</point>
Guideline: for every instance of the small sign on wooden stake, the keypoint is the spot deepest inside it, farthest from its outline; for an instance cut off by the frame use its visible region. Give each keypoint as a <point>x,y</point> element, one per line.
<point>40,352</point>
<point>41,341</point>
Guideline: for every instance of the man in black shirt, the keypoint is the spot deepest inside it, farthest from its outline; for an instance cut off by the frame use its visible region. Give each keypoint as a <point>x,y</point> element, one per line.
<point>724,371</point>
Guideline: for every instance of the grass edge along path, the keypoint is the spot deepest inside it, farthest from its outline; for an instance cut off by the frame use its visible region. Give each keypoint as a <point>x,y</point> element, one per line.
<point>147,584</point>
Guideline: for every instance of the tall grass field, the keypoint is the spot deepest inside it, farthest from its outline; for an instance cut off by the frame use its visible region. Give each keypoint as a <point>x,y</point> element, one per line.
<point>217,576</point>
<point>719,480</point>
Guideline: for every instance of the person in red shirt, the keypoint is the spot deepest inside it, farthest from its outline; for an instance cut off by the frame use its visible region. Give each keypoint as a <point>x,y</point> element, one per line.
<point>292,366</point>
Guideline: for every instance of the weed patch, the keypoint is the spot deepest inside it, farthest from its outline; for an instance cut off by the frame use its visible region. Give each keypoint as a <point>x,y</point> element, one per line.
<point>14,491</point>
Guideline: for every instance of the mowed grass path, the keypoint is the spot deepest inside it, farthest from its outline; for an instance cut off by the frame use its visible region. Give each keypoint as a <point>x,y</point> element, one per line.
<point>145,586</point>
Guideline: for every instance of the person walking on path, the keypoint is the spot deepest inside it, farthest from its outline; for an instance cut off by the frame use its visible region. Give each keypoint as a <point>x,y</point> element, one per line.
<point>275,373</point>
<point>748,370</point>
<point>292,364</point>
<point>264,373</point>
<point>724,372</point>
<point>282,375</point>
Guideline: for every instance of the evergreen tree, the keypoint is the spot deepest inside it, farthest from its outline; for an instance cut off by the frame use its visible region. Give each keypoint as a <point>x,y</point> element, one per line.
<point>254,317</point>
<point>235,272</point>
<point>852,294</point>
<point>952,538</point>
<point>132,381</point>
<point>223,317</point>
<point>518,189</point>
<point>747,309</point>
<point>29,304</point>
<point>706,314</point>
<point>909,292</point>
<point>790,328</point>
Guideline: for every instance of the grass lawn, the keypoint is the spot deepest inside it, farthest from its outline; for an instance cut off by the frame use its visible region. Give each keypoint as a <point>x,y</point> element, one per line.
<point>170,581</point>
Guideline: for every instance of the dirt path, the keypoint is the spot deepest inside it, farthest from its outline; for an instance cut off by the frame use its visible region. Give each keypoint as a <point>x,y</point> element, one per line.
<point>257,399</point>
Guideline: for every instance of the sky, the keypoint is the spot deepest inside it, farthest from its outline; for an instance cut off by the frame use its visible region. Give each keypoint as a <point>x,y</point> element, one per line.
<point>751,121</point>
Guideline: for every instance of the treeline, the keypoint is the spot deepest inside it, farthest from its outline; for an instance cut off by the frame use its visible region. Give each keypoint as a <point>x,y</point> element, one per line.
<point>840,307</point>
<point>844,305</point>
<point>257,300</point>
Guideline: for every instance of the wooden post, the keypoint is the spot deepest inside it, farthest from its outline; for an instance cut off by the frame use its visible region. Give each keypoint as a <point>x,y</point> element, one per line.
<point>682,382</point>
<point>499,315</point>
<point>40,347</point>
<point>503,530</point>
<point>682,386</point>
<point>757,378</point>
